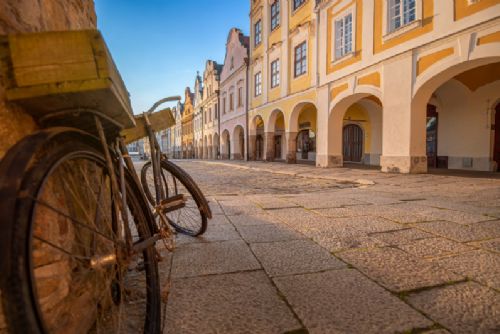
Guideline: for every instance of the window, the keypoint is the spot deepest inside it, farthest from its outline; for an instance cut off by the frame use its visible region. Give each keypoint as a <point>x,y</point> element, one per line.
<point>258,84</point>
<point>216,111</point>
<point>232,63</point>
<point>240,97</point>
<point>224,106</point>
<point>258,32</point>
<point>275,15</point>
<point>210,114</point>
<point>275,73</point>
<point>401,12</point>
<point>231,102</point>
<point>343,36</point>
<point>300,59</point>
<point>297,3</point>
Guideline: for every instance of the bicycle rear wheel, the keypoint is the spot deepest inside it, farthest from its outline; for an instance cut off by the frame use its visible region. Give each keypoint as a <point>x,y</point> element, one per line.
<point>190,219</point>
<point>68,272</point>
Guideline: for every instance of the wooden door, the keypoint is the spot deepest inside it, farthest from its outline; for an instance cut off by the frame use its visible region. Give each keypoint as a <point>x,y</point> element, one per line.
<point>259,147</point>
<point>277,147</point>
<point>432,136</point>
<point>496,147</point>
<point>353,143</point>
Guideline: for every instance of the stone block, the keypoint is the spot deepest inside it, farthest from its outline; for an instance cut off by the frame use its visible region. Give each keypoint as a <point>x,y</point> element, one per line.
<point>463,308</point>
<point>199,259</point>
<point>434,247</point>
<point>345,301</point>
<point>397,270</point>
<point>229,303</point>
<point>401,237</point>
<point>462,233</point>
<point>268,233</point>
<point>480,265</point>
<point>294,257</point>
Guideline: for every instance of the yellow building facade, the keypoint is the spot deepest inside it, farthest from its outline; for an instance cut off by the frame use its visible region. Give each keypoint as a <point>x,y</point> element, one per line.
<point>406,85</point>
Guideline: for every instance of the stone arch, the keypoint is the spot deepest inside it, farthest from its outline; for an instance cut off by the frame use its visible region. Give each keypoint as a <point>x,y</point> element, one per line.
<point>256,138</point>
<point>275,136</point>
<point>302,133</point>
<point>450,82</point>
<point>216,146</point>
<point>364,110</point>
<point>225,153</point>
<point>238,142</point>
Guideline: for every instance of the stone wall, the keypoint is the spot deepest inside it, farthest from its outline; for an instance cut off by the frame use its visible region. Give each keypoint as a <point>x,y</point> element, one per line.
<point>32,16</point>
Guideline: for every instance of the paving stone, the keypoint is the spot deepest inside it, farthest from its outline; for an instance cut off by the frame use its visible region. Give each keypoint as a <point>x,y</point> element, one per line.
<point>479,265</point>
<point>463,308</point>
<point>217,233</point>
<point>346,242</point>
<point>368,224</point>
<point>344,301</point>
<point>215,208</point>
<point>405,218</point>
<point>294,257</point>
<point>212,258</point>
<point>434,247</point>
<point>340,212</point>
<point>436,331</point>
<point>249,220</point>
<point>401,237</point>
<point>458,216</point>
<point>272,202</point>
<point>325,201</point>
<point>397,270</point>
<point>462,233</point>
<point>268,233</point>
<point>233,209</point>
<point>229,303</point>
<point>491,245</point>
<point>218,220</point>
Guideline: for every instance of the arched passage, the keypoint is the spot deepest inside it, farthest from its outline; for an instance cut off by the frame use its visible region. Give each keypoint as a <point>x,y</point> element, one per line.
<point>275,136</point>
<point>238,149</point>
<point>256,138</point>
<point>215,147</point>
<point>301,135</point>
<point>210,148</point>
<point>226,145</point>
<point>454,113</point>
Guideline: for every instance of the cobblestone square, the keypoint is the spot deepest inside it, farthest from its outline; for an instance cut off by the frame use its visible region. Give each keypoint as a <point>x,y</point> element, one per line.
<point>293,247</point>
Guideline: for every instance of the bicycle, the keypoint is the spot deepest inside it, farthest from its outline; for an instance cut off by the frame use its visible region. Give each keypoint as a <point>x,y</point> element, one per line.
<point>78,248</point>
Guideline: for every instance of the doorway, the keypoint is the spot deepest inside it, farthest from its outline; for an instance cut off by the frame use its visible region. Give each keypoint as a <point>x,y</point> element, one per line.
<point>496,145</point>
<point>432,136</point>
<point>277,147</point>
<point>353,143</point>
<point>259,149</point>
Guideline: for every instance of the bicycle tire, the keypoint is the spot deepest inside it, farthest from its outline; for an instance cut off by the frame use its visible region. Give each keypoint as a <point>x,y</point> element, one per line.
<point>180,224</point>
<point>21,302</point>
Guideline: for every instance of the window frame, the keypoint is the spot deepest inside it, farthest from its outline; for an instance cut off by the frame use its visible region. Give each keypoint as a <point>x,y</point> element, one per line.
<point>276,16</point>
<point>275,73</point>
<point>302,59</point>
<point>231,101</point>
<point>257,33</point>
<point>351,11</point>
<point>240,97</point>
<point>296,6</point>
<point>389,33</point>
<point>258,84</point>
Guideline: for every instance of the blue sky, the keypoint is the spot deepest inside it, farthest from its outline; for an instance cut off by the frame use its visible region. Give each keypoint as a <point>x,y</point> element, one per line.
<point>158,45</point>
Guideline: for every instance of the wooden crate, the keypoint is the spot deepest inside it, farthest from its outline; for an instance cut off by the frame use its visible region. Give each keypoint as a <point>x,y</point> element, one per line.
<point>159,120</point>
<point>52,71</point>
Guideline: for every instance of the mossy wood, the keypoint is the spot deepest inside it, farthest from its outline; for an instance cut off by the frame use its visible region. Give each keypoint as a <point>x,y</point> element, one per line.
<point>159,120</point>
<point>53,71</point>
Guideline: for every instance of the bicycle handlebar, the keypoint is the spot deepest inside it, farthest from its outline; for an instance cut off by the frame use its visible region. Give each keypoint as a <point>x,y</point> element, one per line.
<point>158,103</point>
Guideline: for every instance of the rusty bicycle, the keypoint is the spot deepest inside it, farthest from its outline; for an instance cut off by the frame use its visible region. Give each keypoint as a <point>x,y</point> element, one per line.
<point>79,232</point>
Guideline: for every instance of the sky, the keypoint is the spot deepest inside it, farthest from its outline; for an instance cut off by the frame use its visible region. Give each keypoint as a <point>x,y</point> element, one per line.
<point>158,45</point>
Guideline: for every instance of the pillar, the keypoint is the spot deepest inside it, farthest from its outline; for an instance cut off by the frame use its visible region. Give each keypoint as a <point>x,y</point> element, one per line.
<point>403,129</point>
<point>329,135</point>
<point>269,142</point>
<point>291,147</point>
<point>252,147</point>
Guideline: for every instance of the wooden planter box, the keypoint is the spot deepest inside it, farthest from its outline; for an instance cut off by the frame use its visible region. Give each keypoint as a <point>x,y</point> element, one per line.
<point>54,71</point>
<point>159,120</point>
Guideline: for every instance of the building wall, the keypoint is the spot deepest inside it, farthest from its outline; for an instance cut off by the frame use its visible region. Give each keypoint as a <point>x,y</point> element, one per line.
<point>23,16</point>
<point>234,79</point>
<point>384,84</point>
<point>210,106</point>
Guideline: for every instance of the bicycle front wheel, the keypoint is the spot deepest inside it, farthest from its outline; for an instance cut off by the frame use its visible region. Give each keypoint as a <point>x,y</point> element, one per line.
<point>69,272</point>
<point>190,219</point>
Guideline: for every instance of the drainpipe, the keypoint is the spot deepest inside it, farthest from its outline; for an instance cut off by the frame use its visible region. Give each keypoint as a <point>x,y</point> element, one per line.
<point>218,123</point>
<point>247,109</point>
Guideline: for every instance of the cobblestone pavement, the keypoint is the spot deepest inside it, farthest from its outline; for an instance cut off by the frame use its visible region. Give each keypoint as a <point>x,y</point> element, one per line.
<point>296,249</point>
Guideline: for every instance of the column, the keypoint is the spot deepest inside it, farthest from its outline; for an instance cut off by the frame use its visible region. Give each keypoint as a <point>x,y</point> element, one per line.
<point>291,147</point>
<point>269,142</point>
<point>403,125</point>
<point>251,147</point>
